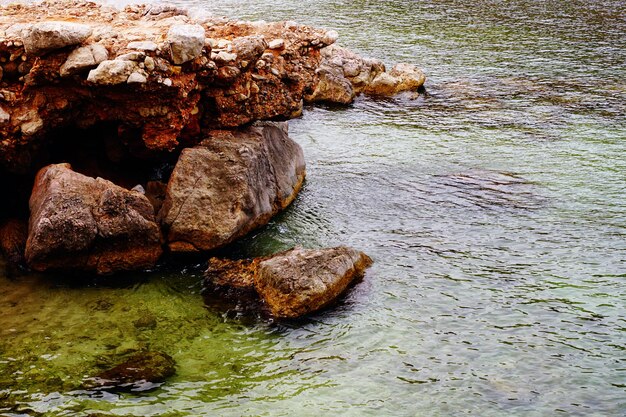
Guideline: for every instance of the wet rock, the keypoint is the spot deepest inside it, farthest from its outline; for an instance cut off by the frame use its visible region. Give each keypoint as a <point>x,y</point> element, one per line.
<point>402,77</point>
<point>141,372</point>
<point>83,58</point>
<point>47,36</point>
<point>292,283</point>
<point>186,42</point>
<point>83,223</point>
<point>230,184</point>
<point>13,235</point>
<point>301,281</point>
<point>333,87</point>
<point>112,72</point>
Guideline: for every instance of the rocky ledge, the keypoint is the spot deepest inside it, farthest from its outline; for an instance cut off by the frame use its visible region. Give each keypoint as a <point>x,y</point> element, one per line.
<point>162,76</point>
<point>145,130</point>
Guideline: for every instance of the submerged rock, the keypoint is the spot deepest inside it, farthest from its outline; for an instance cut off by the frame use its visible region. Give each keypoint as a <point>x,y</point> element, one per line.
<point>295,282</point>
<point>141,372</point>
<point>230,184</point>
<point>83,223</point>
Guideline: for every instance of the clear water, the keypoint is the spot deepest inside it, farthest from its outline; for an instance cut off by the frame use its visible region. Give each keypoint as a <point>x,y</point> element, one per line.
<point>494,209</point>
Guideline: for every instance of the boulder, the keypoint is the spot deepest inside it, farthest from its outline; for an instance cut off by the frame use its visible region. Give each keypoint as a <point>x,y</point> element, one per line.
<point>230,184</point>
<point>83,58</point>
<point>186,42</point>
<point>295,282</point>
<point>301,281</point>
<point>402,77</point>
<point>83,223</point>
<point>141,372</point>
<point>43,37</point>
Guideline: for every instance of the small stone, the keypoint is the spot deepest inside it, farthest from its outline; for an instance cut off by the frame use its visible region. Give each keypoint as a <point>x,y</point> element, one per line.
<point>260,64</point>
<point>4,116</point>
<point>83,58</point>
<point>223,43</point>
<point>186,42</point>
<point>143,46</point>
<point>131,56</point>
<point>167,82</point>
<point>111,72</point>
<point>330,37</point>
<point>276,44</point>
<point>225,57</point>
<point>136,78</point>
<point>47,36</point>
<point>149,63</point>
<point>32,127</point>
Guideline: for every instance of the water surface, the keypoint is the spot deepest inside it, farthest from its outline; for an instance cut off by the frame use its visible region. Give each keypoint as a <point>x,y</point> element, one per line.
<point>493,207</point>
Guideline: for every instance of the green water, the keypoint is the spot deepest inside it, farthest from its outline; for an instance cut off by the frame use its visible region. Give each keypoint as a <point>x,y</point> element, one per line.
<point>494,209</point>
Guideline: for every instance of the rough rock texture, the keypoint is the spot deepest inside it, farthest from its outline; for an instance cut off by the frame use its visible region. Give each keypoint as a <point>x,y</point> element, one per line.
<point>343,75</point>
<point>158,74</point>
<point>230,184</point>
<point>301,281</point>
<point>295,282</point>
<point>140,372</point>
<point>13,235</point>
<point>85,223</point>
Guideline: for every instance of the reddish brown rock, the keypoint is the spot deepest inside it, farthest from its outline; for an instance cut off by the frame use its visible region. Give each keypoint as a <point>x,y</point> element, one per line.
<point>160,74</point>
<point>83,223</point>
<point>295,282</point>
<point>230,184</point>
<point>13,235</point>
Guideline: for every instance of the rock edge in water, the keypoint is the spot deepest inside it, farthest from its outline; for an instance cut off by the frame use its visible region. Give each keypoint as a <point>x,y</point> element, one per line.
<point>295,282</point>
<point>164,76</point>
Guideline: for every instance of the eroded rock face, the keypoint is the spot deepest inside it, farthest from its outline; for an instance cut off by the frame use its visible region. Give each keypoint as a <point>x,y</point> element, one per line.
<point>230,184</point>
<point>295,282</point>
<point>156,72</point>
<point>83,223</point>
<point>343,75</point>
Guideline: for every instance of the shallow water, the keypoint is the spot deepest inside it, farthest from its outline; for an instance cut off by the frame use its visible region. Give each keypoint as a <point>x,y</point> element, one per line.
<point>493,207</point>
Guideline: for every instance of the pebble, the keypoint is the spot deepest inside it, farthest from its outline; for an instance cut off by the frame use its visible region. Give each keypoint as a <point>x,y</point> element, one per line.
<point>136,78</point>
<point>276,44</point>
<point>149,63</point>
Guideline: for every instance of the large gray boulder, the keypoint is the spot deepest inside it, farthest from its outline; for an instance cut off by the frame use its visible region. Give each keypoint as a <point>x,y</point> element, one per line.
<point>230,184</point>
<point>47,36</point>
<point>295,282</point>
<point>83,223</point>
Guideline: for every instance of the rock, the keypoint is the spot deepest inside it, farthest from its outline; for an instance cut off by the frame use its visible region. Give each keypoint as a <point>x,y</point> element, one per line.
<point>143,46</point>
<point>13,235</point>
<point>330,37</point>
<point>237,274</point>
<point>301,281</point>
<point>81,223</point>
<point>84,58</point>
<point>47,36</point>
<point>292,283</point>
<point>141,372</point>
<point>332,87</point>
<point>112,72</point>
<point>186,42</point>
<point>223,58</point>
<point>229,185</point>
<point>131,56</point>
<point>402,77</point>
<point>4,116</point>
<point>149,63</point>
<point>137,78</point>
<point>276,44</point>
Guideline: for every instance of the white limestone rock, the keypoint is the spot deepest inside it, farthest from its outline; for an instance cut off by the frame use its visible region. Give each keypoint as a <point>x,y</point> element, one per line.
<point>83,58</point>
<point>186,42</point>
<point>43,37</point>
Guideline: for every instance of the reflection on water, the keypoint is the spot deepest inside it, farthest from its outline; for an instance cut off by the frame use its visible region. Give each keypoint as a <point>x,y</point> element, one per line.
<point>493,207</point>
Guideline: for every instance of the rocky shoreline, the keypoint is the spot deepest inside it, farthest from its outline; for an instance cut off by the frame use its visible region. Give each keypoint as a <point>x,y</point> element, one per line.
<point>146,131</point>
